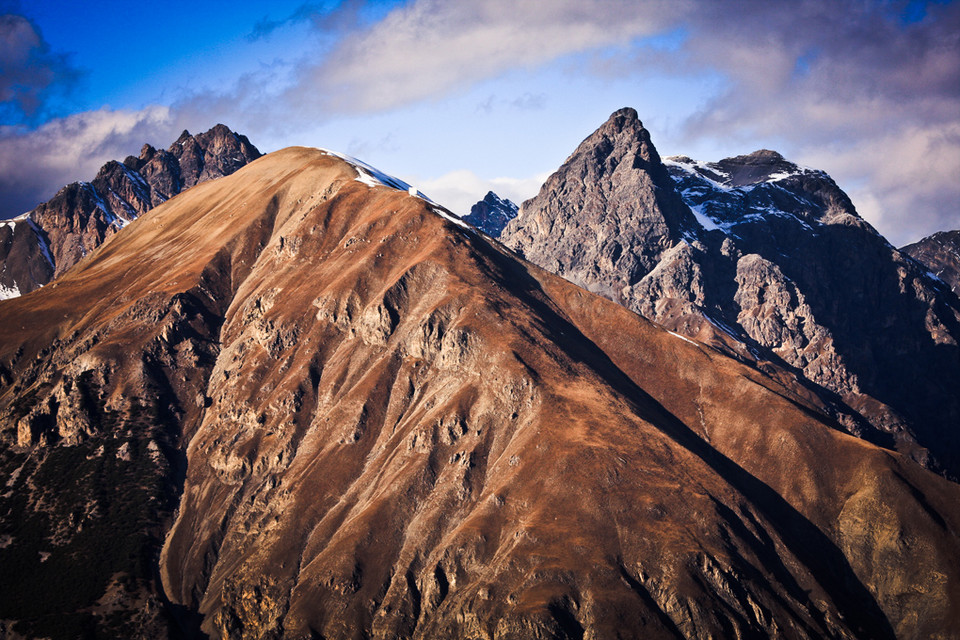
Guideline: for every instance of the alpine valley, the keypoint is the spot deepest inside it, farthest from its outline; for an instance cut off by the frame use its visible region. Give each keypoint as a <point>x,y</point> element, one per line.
<point>301,400</point>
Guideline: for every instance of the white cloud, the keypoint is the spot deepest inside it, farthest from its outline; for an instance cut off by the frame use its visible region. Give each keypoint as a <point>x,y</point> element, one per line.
<point>431,47</point>
<point>837,81</point>
<point>904,183</point>
<point>846,86</point>
<point>34,163</point>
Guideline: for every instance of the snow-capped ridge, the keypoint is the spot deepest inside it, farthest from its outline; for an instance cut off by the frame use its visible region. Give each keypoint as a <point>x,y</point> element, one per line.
<point>373,177</point>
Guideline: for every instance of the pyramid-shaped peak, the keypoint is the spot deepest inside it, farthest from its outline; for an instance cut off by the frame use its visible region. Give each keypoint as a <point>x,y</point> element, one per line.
<point>621,137</point>
<point>623,124</point>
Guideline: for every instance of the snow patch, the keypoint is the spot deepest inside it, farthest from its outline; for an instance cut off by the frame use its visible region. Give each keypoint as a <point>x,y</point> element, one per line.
<point>135,178</point>
<point>695,168</point>
<point>443,213</point>
<point>781,175</point>
<point>705,221</point>
<point>373,177</point>
<point>44,247</point>
<point>936,278</point>
<point>723,327</point>
<point>6,293</point>
<point>684,338</point>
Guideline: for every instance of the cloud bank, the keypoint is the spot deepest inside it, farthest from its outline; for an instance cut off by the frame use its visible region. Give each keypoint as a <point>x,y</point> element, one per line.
<point>869,91</point>
<point>35,163</point>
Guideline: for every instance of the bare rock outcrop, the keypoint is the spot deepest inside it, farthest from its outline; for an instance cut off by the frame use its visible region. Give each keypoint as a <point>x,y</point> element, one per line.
<point>491,214</point>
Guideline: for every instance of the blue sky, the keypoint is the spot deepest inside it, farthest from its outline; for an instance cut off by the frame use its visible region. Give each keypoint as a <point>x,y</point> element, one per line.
<point>461,97</point>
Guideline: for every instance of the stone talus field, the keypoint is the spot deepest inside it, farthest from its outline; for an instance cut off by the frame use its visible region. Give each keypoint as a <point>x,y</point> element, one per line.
<point>351,417</point>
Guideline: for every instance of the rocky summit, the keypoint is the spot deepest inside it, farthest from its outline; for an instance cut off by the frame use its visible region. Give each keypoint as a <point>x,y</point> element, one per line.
<point>769,262</point>
<point>298,402</point>
<point>491,214</point>
<point>44,243</point>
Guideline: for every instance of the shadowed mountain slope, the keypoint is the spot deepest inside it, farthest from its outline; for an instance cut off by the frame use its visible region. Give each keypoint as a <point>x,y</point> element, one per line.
<point>353,417</point>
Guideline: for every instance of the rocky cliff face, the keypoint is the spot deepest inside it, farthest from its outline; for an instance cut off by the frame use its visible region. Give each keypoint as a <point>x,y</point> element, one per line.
<point>767,260</point>
<point>46,242</point>
<point>940,254</point>
<point>491,214</point>
<point>297,403</point>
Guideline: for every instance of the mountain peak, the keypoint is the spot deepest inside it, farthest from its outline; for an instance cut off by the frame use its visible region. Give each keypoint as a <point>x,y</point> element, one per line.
<point>492,214</point>
<point>623,118</point>
<point>762,155</point>
<point>323,414</point>
<point>82,215</point>
<point>613,191</point>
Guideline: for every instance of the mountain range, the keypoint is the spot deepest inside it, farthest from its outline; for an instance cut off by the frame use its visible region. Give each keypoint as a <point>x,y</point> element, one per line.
<point>302,400</point>
<point>46,241</point>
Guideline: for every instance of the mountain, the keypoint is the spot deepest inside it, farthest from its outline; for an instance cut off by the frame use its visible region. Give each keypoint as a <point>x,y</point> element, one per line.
<point>940,254</point>
<point>42,244</point>
<point>767,261</point>
<point>491,214</point>
<point>298,402</point>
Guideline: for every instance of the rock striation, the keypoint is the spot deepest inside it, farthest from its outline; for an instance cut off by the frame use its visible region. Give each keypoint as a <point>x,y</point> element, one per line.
<point>767,260</point>
<point>296,402</point>
<point>44,243</point>
<point>940,254</point>
<point>491,214</point>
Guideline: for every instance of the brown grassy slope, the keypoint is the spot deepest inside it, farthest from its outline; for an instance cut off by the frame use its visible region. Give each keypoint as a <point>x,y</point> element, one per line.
<point>396,429</point>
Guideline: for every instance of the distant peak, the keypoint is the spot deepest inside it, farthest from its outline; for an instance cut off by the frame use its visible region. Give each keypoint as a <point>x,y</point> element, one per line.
<point>758,157</point>
<point>765,154</point>
<point>219,130</point>
<point>493,198</point>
